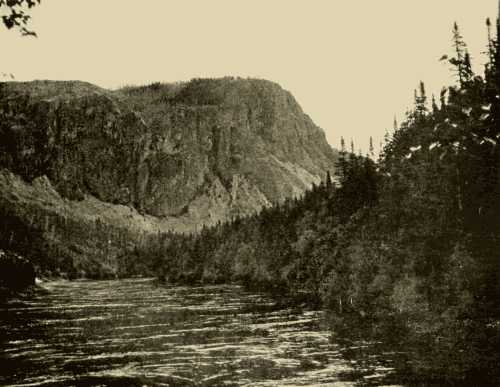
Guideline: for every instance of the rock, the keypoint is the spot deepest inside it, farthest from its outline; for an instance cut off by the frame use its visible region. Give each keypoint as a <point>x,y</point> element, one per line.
<point>16,272</point>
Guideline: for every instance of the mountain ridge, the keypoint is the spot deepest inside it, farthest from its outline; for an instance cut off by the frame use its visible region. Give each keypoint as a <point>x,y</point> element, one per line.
<point>186,155</point>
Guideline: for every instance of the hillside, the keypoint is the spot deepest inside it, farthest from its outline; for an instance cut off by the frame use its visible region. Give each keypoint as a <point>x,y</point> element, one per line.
<point>164,157</point>
<point>404,251</point>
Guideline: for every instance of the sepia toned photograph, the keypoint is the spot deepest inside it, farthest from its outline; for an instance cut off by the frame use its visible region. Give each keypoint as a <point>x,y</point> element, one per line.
<point>250,193</point>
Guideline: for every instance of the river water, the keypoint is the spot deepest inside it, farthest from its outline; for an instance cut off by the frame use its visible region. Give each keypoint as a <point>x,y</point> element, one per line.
<point>137,333</point>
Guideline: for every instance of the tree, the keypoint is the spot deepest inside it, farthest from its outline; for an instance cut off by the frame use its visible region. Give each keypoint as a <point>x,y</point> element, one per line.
<point>462,60</point>
<point>421,101</point>
<point>328,181</point>
<point>491,43</point>
<point>15,14</point>
<point>435,107</point>
<point>341,166</point>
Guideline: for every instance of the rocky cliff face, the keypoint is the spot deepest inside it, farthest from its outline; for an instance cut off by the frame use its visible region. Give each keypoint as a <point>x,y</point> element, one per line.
<point>179,155</point>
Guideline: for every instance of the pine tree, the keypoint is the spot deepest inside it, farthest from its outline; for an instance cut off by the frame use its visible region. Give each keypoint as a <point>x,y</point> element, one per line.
<point>420,101</point>
<point>462,60</point>
<point>435,107</point>
<point>328,181</point>
<point>442,97</point>
<point>341,167</point>
<point>491,43</point>
<point>468,74</point>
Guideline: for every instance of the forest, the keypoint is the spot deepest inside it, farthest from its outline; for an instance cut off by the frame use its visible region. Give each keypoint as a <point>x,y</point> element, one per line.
<point>404,246</point>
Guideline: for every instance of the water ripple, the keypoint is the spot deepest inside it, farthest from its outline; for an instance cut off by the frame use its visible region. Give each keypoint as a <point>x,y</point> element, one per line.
<point>132,332</point>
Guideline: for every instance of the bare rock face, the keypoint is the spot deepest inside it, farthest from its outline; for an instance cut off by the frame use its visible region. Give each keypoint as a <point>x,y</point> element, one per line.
<point>179,155</point>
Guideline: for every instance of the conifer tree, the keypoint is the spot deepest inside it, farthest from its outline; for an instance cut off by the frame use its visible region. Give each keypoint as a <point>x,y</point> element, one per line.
<point>442,98</point>
<point>491,43</point>
<point>328,181</point>
<point>435,107</point>
<point>420,101</point>
<point>462,60</point>
<point>341,167</point>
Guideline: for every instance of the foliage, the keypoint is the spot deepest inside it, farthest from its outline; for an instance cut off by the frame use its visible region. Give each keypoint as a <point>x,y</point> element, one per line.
<point>15,14</point>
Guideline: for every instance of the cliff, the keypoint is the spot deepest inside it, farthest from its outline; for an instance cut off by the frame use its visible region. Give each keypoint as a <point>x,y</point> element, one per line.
<point>154,158</point>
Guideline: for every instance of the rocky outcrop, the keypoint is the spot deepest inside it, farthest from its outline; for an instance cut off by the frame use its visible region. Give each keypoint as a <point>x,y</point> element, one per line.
<point>154,158</point>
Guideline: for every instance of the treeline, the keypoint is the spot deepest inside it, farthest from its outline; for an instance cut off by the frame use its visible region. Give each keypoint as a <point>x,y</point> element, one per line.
<point>409,243</point>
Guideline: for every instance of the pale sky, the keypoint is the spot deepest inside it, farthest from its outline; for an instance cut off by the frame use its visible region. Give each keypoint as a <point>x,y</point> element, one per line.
<point>351,64</point>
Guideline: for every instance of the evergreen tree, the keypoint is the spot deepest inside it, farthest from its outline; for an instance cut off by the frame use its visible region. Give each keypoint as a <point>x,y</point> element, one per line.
<point>329,183</point>
<point>341,166</point>
<point>420,101</point>
<point>442,98</point>
<point>435,108</point>
<point>462,59</point>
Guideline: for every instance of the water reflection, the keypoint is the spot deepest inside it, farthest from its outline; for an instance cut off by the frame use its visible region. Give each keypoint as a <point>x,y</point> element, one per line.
<point>132,332</point>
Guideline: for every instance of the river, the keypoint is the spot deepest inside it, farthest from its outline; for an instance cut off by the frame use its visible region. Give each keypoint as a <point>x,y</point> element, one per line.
<point>137,333</point>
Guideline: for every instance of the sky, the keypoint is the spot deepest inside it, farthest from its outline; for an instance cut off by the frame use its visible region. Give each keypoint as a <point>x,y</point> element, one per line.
<point>351,64</point>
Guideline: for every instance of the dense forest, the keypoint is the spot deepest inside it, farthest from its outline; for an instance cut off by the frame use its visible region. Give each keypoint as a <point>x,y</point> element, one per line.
<point>407,243</point>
